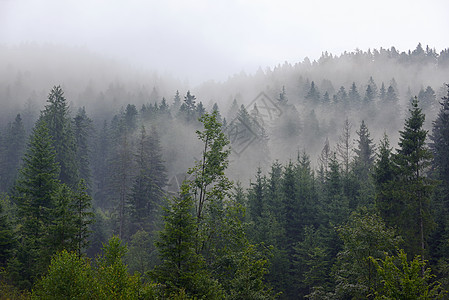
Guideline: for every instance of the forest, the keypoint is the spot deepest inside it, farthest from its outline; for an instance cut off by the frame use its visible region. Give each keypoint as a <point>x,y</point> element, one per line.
<point>320,180</point>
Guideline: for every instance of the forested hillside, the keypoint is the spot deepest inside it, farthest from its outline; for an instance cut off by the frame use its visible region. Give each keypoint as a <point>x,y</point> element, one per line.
<point>319,180</point>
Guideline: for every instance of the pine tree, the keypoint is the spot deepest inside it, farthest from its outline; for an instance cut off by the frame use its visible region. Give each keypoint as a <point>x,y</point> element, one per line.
<point>354,96</point>
<point>57,117</point>
<point>391,95</point>
<point>147,192</point>
<point>413,158</point>
<point>83,129</point>
<point>188,109</point>
<point>364,158</point>
<point>384,176</point>
<point>83,217</point>
<point>176,103</point>
<point>13,149</point>
<point>38,181</point>
<point>313,95</point>
<point>182,268</point>
<point>283,97</point>
<point>440,149</point>
<point>7,238</point>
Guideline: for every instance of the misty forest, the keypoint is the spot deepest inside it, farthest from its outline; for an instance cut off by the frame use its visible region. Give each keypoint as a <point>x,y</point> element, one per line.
<point>324,179</point>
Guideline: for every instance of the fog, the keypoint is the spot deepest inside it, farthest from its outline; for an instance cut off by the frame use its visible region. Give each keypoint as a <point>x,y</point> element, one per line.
<point>201,40</point>
<point>106,55</point>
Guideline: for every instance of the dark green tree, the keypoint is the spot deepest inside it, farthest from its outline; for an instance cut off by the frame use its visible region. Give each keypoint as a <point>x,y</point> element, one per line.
<point>7,238</point>
<point>182,268</point>
<point>57,116</point>
<point>364,153</point>
<point>83,128</point>
<point>38,181</point>
<point>83,217</point>
<point>412,159</point>
<point>147,192</point>
<point>440,148</point>
<point>384,176</point>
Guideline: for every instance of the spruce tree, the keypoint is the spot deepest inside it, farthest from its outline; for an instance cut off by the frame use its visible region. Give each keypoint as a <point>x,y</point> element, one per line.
<point>83,130</point>
<point>364,159</point>
<point>7,238</point>
<point>38,181</point>
<point>412,159</point>
<point>182,268</point>
<point>56,115</point>
<point>14,147</point>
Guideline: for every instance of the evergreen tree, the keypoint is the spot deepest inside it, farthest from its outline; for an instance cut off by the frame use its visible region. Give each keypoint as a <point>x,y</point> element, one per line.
<point>391,95</point>
<point>7,238</point>
<point>182,268</point>
<point>342,97</point>
<point>369,95</point>
<point>364,158</point>
<point>353,94</point>
<point>83,217</point>
<point>384,176</point>
<point>382,92</point>
<point>147,191</point>
<point>313,95</point>
<point>176,103</point>
<point>83,129</point>
<point>215,108</point>
<point>326,99</point>
<point>188,109</point>
<point>440,149</point>
<point>373,87</point>
<point>38,181</point>
<point>413,158</point>
<point>233,110</point>
<point>344,146</point>
<point>283,97</point>
<point>57,117</point>
<point>13,149</point>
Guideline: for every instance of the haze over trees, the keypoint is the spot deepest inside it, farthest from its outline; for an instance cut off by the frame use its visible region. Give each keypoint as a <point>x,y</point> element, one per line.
<point>314,180</point>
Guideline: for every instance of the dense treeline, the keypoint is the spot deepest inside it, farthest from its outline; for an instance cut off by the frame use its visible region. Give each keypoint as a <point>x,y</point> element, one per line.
<point>142,204</point>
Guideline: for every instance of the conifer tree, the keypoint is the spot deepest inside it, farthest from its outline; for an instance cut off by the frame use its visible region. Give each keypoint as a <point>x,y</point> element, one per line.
<point>147,191</point>
<point>182,268</point>
<point>83,130</point>
<point>7,238</point>
<point>13,149</point>
<point>412,159</point>
<point>364,159</point>
<point>38,181</point>
<point>57,117</point>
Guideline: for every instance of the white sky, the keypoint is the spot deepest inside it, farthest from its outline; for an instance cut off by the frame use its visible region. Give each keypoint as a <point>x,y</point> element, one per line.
<point>202,39</point>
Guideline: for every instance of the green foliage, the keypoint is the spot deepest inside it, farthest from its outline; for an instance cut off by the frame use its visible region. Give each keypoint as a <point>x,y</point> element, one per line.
<point>402,279</point>
<point>7,238</point>
<point>72,277</point>
<point>248,281</point>
<point>142,254</point>
<point>68,277</point>
<point>364,235</point>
